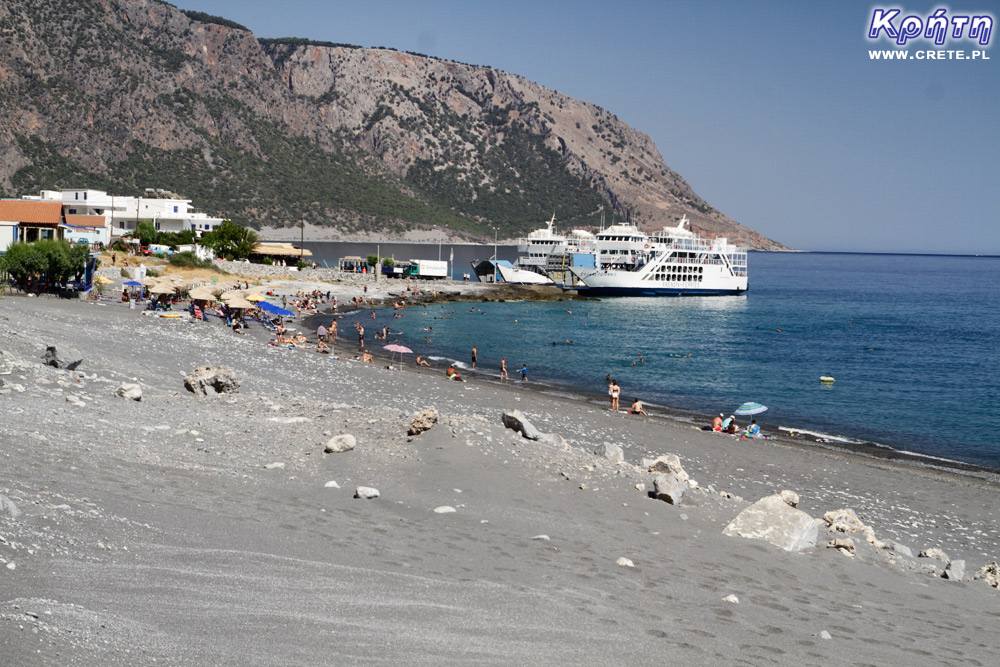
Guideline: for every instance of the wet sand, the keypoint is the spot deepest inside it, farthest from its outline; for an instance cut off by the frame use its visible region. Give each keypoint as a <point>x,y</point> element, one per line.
<point>152,532</point>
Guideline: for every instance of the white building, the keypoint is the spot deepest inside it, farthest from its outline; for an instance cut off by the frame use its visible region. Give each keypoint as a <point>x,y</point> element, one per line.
<point>166,210</point>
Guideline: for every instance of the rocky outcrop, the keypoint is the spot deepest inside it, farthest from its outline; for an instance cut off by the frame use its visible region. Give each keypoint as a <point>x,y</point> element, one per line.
<point>516,421</point>
<point>773,520</point>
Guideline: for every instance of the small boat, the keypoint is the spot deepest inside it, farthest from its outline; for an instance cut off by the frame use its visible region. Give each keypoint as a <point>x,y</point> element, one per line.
<point>827,379</point>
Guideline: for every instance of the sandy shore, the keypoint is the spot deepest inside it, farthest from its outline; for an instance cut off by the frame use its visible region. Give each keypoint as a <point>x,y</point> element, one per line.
<point>154,532</point>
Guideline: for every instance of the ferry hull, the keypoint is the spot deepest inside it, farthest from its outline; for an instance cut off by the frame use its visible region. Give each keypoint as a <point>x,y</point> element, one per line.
<point>657,291</point>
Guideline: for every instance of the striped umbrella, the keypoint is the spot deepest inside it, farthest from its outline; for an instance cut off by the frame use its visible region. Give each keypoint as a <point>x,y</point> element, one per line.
<point>750,408</point>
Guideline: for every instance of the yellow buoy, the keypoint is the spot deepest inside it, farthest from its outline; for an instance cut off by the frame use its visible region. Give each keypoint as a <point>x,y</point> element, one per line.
<point>827,379</point>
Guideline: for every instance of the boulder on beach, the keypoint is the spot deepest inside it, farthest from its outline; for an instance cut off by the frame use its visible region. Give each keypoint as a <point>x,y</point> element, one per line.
<point>990,573</point>
<point>366,492</point>
<point>129,390</point>
<point>670,463</point>
<point>846,521</point>
<point>211,379</point>
<point>62,356</point>
<point>844,544</point>
<point>8,507</point>
<point>423,421</point>
<point>610,452</point>
<point>516,421</point>
<point>955,571</point>
<point>669,488</point>
<point>771,519</point>
<point>340,443</point>
<point>936,554</point>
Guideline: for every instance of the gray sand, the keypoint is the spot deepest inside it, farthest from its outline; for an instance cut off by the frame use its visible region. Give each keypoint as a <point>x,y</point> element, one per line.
<point>151,532</point>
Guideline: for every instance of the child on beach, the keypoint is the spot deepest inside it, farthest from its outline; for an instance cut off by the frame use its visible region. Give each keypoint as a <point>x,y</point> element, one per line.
<point>503,370</point>
<point>524,372</point>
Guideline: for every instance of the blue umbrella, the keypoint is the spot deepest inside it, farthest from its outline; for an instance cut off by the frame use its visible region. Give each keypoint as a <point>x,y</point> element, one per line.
<point>133,283</point>
<point>275,310</point>
<point>750,408</point>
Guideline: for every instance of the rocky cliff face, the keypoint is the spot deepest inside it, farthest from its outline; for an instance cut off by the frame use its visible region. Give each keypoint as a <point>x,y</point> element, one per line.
<point>125,94</point>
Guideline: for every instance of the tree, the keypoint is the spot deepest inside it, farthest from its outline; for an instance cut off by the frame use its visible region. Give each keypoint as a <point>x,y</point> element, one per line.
<point>48,260</point>
<point>231,240</point>
<point>145,232</point>
<point>372,260</point>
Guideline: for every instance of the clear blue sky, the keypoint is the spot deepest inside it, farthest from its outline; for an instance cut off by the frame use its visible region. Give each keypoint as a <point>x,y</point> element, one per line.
<point>773,111</point>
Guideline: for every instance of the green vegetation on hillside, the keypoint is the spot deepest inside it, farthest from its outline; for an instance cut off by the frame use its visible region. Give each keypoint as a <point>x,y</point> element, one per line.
<point>202,17</point>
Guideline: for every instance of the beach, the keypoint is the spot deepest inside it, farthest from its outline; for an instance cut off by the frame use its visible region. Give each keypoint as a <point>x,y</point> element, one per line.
<point>183,529</point>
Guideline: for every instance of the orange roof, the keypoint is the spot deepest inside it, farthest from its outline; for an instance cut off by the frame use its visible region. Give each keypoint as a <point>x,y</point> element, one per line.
<point>85,220</point>
<point>36,212</point>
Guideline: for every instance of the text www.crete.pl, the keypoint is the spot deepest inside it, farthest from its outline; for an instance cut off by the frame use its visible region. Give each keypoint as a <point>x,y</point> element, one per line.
<point>933,54</point>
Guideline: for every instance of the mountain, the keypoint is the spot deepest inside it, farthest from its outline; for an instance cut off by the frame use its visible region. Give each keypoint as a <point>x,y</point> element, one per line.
<point>126,94</point>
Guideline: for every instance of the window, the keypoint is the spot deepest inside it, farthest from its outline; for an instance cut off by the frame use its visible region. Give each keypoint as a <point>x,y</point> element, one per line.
<point>84,196</point>
<point>72,211</point>
<point>76,195</point>
<point>175,209</point>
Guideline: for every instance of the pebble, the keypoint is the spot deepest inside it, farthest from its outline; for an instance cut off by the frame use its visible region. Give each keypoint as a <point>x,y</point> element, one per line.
<point>731,598</point>
<point>444,509</point>
<point>331,485</point>
<point>541,537</point>
<point>625,562</point>
<point>366,492</point>
<point>276,464</point>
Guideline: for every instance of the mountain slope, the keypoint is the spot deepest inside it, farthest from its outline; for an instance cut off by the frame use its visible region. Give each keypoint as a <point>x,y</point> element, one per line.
<point>126,94</point>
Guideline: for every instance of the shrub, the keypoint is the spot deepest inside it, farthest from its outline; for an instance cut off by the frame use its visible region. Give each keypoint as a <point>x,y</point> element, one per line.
<point>301,264</point>
<point>190,260</point>
<point>267,261</point>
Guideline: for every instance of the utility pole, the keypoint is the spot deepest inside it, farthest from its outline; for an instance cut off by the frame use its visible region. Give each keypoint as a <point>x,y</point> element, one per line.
<point>302,237</point>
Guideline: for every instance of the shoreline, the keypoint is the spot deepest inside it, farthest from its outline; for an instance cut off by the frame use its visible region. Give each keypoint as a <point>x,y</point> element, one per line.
<point>232,538</point>
<point>800,436</point>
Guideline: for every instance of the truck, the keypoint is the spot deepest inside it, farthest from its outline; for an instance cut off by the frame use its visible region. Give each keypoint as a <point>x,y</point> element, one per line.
<point>428,268</point>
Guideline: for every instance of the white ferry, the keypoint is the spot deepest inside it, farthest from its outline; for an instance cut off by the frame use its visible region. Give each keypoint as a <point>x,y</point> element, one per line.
<point>672,262</point>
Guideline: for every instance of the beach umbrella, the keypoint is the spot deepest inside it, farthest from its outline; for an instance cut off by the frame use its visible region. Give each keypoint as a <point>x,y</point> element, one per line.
<point>162,288</point>
<point>239,302</point>
<point>148,282</point>
<point>394,348</point>
<point>275,310</point>
<point>201,294</point>
<point>133,283</point>
<point>750,408</point>
<point>256,297</point>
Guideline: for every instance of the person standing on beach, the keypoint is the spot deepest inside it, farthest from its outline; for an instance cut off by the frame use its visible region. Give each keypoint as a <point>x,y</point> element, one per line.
<point>474,355</point>
<point>614,391</point>
<point>524,372</point>
<point>361,335</point>
<point>321,333</point>
<point>503,370</point>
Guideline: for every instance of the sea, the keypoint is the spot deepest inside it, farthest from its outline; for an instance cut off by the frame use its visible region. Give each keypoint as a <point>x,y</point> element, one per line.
<point>913,342</point>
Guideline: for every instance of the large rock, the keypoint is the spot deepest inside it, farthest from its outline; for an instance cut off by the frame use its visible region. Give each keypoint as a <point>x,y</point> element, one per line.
<point>669,463</point>
<point>610,452</point>
<point>990,573</point>
<point>771,519</point>
<point>366,492</point>
<point>955,570</point>
<point>846,521</point>
<point>669,488</point>
<point>340,443</point>
<point>423,421</point>
<point>211,379</point>
<point>62,356</point>
<point>130,391</point>
<point>516,421</point>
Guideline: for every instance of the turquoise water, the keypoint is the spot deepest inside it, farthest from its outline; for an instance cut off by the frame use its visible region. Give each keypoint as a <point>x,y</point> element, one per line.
<point>911,340</point>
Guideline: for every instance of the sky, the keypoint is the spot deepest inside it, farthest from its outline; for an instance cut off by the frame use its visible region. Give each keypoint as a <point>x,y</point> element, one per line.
<point>774,112</point>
